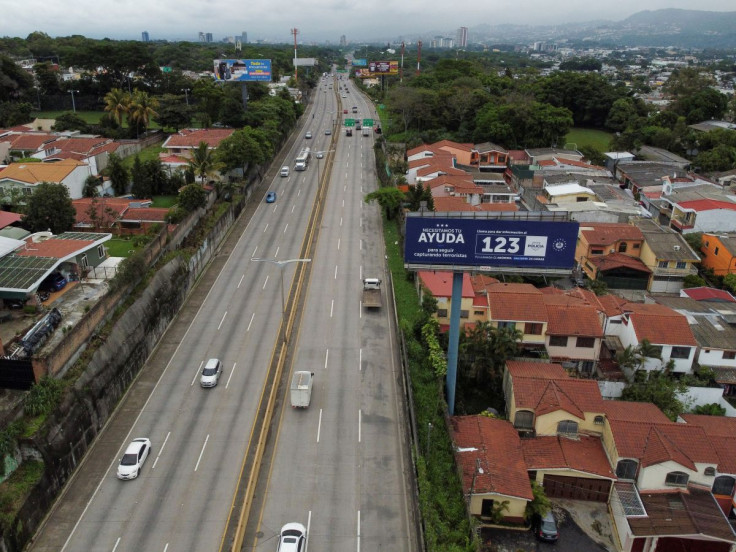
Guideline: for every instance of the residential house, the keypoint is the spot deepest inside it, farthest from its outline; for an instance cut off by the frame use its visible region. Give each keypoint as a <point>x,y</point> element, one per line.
<point>519,307</point>
<point>439,284</point>
<point>18,145</point>
<point>488,157</point>
<point>93,150</point>
<point>457,204</point>
<point>118,215</point>
<point>704,293</point>
<point>536,155</point>
<point>668,255</point>
<point>446,185</point>
<point>566,193</point>
<point>185,141</point>
<point>26,176</point>
<point>719,252</point>
<point>641,174</point>
<point>461,153</point>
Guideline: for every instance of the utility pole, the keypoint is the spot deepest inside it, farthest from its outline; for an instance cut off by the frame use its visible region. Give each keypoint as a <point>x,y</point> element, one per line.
<point>295,32</point>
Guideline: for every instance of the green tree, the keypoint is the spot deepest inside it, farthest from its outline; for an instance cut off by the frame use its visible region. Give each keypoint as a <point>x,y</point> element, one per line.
<point>526,124</point>
<point>243,148</point>
<point>203,162</point>
<point>70,121</point>
<point>15,82</point>
<point>484,350</point>
<point>140,187</point>
<point>117,103</point>
<point>142,109</point>
<point>192,197</point>
<point>118,174</point>
<point>49,208</point>
<point>173,112</point>
<point>158,179</point>
<point>593,155</point>
<point>90,186</point>
<point>389,198</point>
<point>729,281</point>
<point>539,505</point>
<point>712,409</point>
<point>693,280</point>
<point>47,78</point>
<point>659,388</point>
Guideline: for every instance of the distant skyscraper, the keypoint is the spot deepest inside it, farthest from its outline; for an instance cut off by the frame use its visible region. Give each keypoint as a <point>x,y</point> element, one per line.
<point>208,37</point>
<point>462,37</point>
<point>201,36</point>
<point>145,37</point>
<point>244,37</point>
<point>343,40</point>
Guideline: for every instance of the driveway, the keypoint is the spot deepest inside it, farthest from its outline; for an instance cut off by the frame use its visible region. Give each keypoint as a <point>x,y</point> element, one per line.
<point>572,538</point>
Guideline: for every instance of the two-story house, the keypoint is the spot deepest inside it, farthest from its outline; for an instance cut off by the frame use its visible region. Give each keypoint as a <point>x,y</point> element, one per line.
<point>26,176</point>
<point>719,252</point>
<point>668,255</point>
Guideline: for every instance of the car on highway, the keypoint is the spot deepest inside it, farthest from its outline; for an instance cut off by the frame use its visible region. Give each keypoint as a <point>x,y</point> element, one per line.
<point>270,197</point>
<point>545,527</point>
<point>53,282</point>
<point>284,170</point>
<point>345,111</point>
<point>308,135</point>
<point>293,538</point>
<point>328,132</point>
<point>211,372</point>
<point>320,154</point>
<point>133,458</point>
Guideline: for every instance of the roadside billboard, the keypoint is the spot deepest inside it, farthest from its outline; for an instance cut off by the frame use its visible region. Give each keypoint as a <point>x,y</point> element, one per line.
<point>360,62</point>
<point>363,73</point>
<point>485,244</point>
<point>384,67</point>
<point>242,70</point>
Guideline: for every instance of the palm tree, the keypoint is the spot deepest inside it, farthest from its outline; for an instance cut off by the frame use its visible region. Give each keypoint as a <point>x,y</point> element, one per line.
<point>142,108</point>
<point>202,162</point>
<point>117,103</point>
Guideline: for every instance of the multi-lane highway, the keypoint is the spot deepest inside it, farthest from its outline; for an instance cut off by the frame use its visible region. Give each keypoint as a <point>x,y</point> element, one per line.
<point>340,465</point>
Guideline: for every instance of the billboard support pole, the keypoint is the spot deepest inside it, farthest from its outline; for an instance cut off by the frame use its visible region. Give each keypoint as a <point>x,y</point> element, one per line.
<point>244,94</point>
<point>454,339</point>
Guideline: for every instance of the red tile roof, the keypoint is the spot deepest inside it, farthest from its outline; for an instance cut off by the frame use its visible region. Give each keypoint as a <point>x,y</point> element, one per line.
<point>630,411</point>
<point>53,248</point>
<point>516,302</point>
<point>146,214</point>
<point>609,233</point>
<point>670,329</point>
<point>30,142</point>
<point>529,369</point>
<point>481,281</point>
<point>190,138</point>
<point>709,294</point>
<point>7,218</point>
<point>714,426</point>
<point>584,454</point>
<point>440,169</point>
<point>495,444</point>
<point>107,210</point>
<point>618,260</point>
<point>573,320</point>
<point>707,205</point>
<point>440,283</point>
<point>574,396</point>
<point>443,159</point>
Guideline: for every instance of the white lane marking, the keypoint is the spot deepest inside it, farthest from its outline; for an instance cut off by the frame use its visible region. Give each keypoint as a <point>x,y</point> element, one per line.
<point>361,272</point>
<point>241,280</point>
<point>252,316</point>
<point>264,283</point>
<point>202,452</point>
<point>360,306</point>
<point>327,356</point>
<point>277,252</point>
<point>343,203</point>
<point>221,321</point>
<point>293,207</point>
<point>160,451</point>
<point>332,307</point>
<point>309,525</point>
<point>298,192</point>
<point>275,207</point>
<point>345,187</point>
<point>197,372</point>
<point>319,424</point>
<point>335,272</point>
<point>361,245</point>
<point>254,251</point>
<point>358,530</point>
<point>285,227</point>
<point>338,244</point>
<point>166,547</point>
<point>360,359</point>
<point>360,419</point>
<point>231,375</point>
<point>114,548</point>
<point>266,228</point>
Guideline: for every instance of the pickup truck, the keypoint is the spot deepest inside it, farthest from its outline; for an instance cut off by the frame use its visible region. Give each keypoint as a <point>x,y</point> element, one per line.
<point>301,389</point>
<point>372,293</point>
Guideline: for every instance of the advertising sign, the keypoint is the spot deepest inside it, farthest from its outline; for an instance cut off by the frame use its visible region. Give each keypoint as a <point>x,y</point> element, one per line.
<point>242,70</point>
<point>488,243</point>
<point>384,67</point>
<point>360,62</point>
<point>362,73</point>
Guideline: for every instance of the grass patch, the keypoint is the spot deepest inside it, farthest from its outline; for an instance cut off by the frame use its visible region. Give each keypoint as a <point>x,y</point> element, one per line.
<point>15,489</point>
<point>165,202</point>
<point>147,154</point>
<point>123,247</point>
<point>598,139</point>
<point>89,117</point>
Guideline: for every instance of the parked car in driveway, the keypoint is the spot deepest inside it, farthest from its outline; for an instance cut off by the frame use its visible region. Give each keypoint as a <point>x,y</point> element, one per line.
<point>53,282</point>
<point>545,527</point>
<point>133,458</point>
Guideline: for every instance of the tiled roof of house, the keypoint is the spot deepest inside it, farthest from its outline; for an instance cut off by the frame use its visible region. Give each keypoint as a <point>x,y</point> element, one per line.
<point>108,210</point>
<point>53,248</point>
<point>442,159</point>
<point>529,369</point>
<point>707,205</point>
<point>631,411</point>
<point>448,204</point>
<point>146,214</point>
<point>191,138</point>
<point>714,426</point>
<point>30,141</point>
<point>584,454</point>
<point>574,396</point>
<point>709,294</point>
<point>609,233</point>
<point>486,147</point>
<point>440,283</point>
<point>480,282</point>
<point>33,173</point>
<point>516,302</point>
<point>618,260</point>
<point>7,218</point>
<point>443,144</point>
<point>569,320</point>
<point>495,444</point>
<point>612,304</point>
<point>81,145</point>
<point>662,329</point>
<point>439,169</point>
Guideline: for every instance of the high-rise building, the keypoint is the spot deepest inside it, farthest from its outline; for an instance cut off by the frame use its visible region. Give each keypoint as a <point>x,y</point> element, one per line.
<point>462,37</point>
<point>343,40</point>
<point>145,37</point>
<point>201,36</point>
<point>208,37</point>
<point>244,37</point>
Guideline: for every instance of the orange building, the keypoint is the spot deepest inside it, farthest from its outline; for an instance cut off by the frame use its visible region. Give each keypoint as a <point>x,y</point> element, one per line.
<point>719,253</point>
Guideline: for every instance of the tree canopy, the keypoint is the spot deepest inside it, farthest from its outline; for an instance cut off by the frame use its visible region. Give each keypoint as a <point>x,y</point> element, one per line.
<point>49,208</point>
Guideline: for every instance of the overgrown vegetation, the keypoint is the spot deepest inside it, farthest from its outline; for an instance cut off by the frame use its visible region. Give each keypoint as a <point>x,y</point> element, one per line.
<point>15,489</point>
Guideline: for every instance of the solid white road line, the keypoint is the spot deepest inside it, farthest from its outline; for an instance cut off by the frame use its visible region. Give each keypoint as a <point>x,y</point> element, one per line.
<point>327,356</point>
<point>221,321</point>
<point>202,452</point>
<point>360,420</point>
<point>293,207</point>
<point>266,228</point>
<point>319,424</point>
<point>166,547</point>
<point>340,221</point>
<point>332,307</point>
<point>160,451</point>
<point>277,252</point>
<point>241,281</point>
<point>231,375</point>
<point>114,548</point>
<point>252,316</point>
<point>335,272</point>
<point>275,207</point>
<point>338,244</point>
<point>197,372</point>
<point>358,531</point>
<point>264,283</point>
<point>360,359</point>
<point>254,252</point>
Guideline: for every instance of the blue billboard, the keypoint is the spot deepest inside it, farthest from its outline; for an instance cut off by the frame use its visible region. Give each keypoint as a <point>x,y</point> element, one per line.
<point>360,62</point>
<point>242,70</point>
<point>472,242</point>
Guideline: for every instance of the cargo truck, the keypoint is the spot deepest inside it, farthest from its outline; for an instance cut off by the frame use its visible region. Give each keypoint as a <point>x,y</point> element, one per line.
<point>372,293</point>
<point>301,389</point>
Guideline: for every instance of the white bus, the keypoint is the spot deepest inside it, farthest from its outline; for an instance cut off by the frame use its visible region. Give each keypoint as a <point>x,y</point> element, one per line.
<point>302,160</point>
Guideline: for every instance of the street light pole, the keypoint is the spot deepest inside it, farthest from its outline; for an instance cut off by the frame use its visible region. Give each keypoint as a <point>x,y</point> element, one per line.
<point>74,106</point>
<point>282,265</point>
<point>186,95</point>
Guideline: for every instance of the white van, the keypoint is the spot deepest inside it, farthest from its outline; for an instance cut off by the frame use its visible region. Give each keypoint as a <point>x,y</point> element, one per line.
<point>284,170</point>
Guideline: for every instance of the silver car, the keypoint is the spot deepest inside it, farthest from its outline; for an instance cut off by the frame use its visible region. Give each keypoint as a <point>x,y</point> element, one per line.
<point>211,373</point>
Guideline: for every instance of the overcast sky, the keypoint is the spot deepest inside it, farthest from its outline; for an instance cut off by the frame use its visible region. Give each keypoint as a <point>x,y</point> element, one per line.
<point>317,20</point>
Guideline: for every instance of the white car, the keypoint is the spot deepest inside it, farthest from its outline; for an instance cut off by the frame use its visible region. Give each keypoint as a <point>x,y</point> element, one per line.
<point>132,461</point>
<point>293,538</point>
<point>308,135</point>
<point>320,154</point>
<point>212,370</point>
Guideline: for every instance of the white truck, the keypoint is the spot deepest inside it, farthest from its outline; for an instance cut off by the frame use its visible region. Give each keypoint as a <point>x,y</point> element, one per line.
<point>302,160</point>
<point>301,389</point>
<point>367,130</point>
<point>372,293</point>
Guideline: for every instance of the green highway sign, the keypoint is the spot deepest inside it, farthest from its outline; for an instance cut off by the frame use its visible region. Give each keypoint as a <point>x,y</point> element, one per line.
<point>349,122</point>
<point>368,122</point>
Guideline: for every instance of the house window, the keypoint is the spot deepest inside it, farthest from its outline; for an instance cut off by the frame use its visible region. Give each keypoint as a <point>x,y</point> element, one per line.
<point>585,342</point>
<point>83,261</point>
<point>532,328</point>
<point>524,419</point>
<point>567,427</point>
<point>558,341</point>
<point>723,485</point>
<point>442,313</point>
<point>478,312</point>
<point>682,265</point>
<point>598,420</point>
<point>27,191</point>
<point>637,246</point>
<point>663,264</point>
<point>509,325</point>
<point>581,199</point>
<point>596,252</point>
<point>676,479</point>
<point>710,470</point>
<point>622,247</point>
<point>626,469</point>
<point>486,508</point>
<point>680,352</point>
<point>729,355</point>
<point>715,252</point>
<point>101,251</point>
<point>464,313</point>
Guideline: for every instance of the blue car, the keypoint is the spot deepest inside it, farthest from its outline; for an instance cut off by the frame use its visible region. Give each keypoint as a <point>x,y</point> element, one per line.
<point>270,197</point>
<point>53,282</point>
